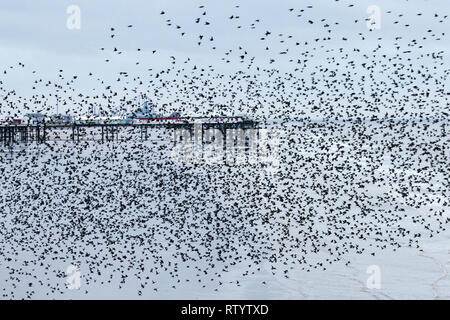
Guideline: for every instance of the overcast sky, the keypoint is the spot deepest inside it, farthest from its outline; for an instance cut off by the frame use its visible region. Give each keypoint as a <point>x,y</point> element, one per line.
<point>35,33</point>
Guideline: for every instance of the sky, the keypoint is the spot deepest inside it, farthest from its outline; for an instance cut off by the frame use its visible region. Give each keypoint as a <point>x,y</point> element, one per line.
<point>36,33</point>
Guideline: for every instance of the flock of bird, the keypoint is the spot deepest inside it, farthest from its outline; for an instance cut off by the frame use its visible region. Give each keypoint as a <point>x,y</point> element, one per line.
<point>324,72</point>
<point>373,175</point>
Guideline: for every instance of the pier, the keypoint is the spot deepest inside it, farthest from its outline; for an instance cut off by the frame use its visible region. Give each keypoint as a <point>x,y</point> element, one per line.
<point>105,132</point>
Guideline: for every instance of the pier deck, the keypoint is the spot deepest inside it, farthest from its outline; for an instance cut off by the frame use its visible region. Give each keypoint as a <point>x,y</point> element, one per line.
<point>21,133</point>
